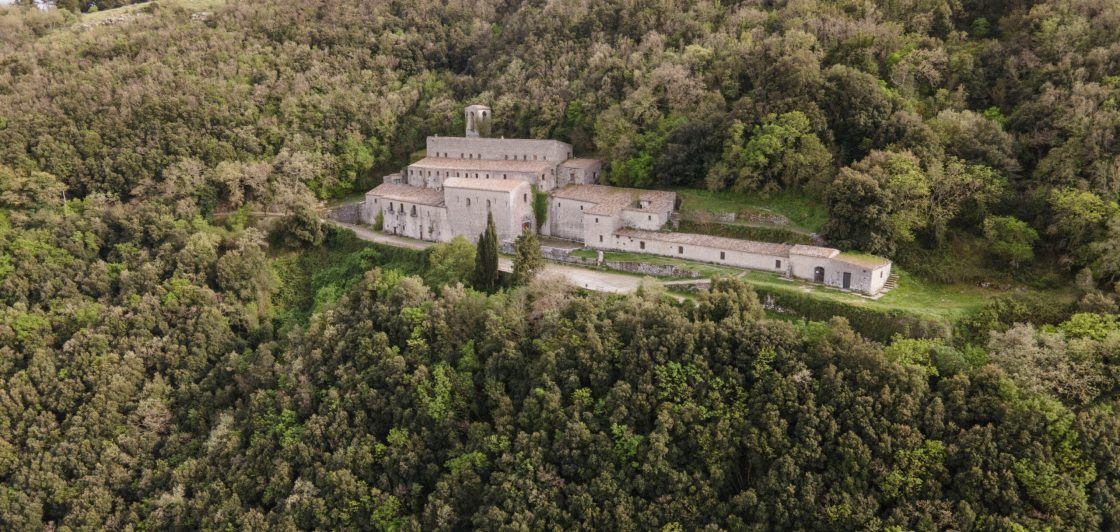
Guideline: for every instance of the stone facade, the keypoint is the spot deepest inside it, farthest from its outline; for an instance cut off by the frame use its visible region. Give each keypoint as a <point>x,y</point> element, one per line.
<point>469,200</point>
<point>449,192</point>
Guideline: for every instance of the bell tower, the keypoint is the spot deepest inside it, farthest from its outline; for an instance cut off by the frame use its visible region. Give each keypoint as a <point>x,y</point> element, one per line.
<point>478,120</point>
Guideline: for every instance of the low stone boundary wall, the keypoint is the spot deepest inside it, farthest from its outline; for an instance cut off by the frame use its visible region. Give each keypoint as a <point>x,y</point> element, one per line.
<point>643,268</point>
<point>348,213</point>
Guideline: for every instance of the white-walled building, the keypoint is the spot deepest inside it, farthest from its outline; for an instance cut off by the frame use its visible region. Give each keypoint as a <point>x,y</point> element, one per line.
<point>451,191</point>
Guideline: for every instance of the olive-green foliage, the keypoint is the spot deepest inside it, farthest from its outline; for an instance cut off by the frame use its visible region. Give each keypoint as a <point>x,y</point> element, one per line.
<point>301,227</point>
<point>486,257</point>
<point>314,278</point>
<point>781,153</point>
<point>154,375</point>
<point>450,262</point>
<point>877,324</point>
<point>338,394</point>
<point>265,102</point>
<point>1010,240</point>
<point>527,258</point>
<point>540,207</point>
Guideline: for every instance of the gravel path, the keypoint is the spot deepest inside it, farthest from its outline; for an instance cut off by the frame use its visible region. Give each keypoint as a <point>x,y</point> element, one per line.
<point>601,281</point>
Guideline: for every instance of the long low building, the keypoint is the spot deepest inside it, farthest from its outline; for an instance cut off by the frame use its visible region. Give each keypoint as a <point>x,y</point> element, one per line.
<point>462,180</point>
<point>828,266</point>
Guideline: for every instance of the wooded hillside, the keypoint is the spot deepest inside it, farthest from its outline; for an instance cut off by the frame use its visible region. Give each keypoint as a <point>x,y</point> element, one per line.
<point>165,367</point>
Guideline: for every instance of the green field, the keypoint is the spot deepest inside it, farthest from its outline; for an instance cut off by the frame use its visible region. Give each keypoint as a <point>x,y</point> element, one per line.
<point>801,211</point>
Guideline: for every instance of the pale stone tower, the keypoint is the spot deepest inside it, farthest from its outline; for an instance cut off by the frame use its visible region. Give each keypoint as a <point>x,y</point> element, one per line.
<point>478,120</point>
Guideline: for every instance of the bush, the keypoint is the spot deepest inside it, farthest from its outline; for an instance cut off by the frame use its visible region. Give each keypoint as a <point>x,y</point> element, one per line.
<point>1011,241</point>
<point>879,325</point>
<point>1003,312</point>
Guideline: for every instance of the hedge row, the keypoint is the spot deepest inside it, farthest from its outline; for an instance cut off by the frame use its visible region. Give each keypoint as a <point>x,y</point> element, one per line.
<point>745,232</point>
<point>880,325</point>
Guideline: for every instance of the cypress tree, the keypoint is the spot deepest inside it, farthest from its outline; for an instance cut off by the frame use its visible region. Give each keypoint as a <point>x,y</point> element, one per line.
<point>527,259</point>
<point>486,259</point>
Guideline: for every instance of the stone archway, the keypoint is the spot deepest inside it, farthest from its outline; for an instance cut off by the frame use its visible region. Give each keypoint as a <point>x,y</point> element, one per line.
<point>818,275</point>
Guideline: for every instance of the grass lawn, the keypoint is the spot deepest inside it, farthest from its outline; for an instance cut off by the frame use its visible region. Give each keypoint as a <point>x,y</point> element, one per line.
<point>801,211</point>
<point>946,302</point>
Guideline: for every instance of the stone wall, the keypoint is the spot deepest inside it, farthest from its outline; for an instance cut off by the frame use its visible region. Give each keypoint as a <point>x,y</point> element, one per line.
<point>467,208</point>
<point>500,149</point>
<point>643,268</point>
<point>349,213</point>
<point>565,218</point>
<point>740,259</point>
<point>419,221</point>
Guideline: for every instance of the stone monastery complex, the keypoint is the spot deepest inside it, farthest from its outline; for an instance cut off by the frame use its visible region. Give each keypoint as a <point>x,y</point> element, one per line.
<point>449,192</point>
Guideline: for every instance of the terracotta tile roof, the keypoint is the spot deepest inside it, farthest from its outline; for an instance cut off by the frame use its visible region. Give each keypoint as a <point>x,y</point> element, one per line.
<point>498,185</point>
<point>860,259</point>
<point>718,242</point>
<point>422,196</point>
<point>580,163</point>
<point>612,200</point>
<point>814,251</point>
<point>482,165</point>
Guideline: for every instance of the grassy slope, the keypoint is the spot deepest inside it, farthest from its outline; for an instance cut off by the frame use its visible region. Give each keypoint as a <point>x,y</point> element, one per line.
<point>802,212</point>
<point>310,280</point>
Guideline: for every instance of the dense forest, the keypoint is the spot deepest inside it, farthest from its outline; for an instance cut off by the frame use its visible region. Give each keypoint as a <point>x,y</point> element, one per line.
<point>166,362</point>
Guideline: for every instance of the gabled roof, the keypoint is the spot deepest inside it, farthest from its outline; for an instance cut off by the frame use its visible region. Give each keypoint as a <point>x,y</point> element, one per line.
<point>405,193</point>
<point>494,185</point>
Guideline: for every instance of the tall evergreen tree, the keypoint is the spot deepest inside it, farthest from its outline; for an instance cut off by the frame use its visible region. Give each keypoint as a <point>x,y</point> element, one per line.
<point>486,259</point>
<point>527,259</point>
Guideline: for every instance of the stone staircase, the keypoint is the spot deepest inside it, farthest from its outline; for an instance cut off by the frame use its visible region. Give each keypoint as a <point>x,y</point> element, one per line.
<point>891,284</point>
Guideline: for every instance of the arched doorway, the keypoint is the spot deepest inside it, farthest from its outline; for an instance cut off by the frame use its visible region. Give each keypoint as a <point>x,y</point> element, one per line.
<point>818,274</point>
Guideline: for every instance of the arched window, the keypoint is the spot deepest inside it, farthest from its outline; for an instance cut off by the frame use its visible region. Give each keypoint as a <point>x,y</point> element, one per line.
<point>487,204</point>
<point>414,210</point>
<point>468,202</point>
<point>390,207</point>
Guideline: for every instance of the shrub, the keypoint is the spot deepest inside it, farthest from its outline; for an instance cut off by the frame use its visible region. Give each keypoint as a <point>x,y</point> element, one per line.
<point>879,325</point>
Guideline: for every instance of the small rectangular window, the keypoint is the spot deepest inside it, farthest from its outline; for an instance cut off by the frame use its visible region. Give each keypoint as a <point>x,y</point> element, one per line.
<point>642,244</point>
<point>777,264</point>
<point>680,250</point>
<point>600,238</point>
<point>722,255</point>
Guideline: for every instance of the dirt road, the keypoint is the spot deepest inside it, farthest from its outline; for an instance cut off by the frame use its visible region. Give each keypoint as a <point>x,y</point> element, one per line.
<point>598,280</point>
